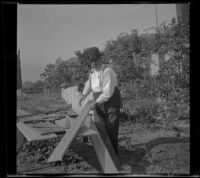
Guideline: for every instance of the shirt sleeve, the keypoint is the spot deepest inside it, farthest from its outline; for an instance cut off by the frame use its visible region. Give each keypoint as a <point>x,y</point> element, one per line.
<point>108,86</point>
<point>87,87</point>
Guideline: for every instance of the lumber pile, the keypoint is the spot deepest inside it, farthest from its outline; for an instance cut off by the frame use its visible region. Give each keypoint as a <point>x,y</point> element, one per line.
<point>72,97</point>
<point>47,127</point>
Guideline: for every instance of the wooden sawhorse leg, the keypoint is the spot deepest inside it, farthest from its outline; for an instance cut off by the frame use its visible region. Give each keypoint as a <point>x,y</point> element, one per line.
<point>103,147</point>
<point>105,160</point>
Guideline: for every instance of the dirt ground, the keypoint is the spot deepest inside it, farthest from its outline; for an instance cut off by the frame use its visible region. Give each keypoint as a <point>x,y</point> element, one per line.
<point>149,153</point>
<point>141,152</point>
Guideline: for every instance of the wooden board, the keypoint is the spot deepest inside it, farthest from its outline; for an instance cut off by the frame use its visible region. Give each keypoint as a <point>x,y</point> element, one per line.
<point>103,155</point>
<point>21,112</point>
<point>62,146</point>
<point>32,135</point>
<point>106,140</point>
<point>45,128</point>
<point>71,113</point>
<point>72,97</point>
<point>86,128</point>
<point>20,138</point>
<point>64,123</point>
<point>85,131</point>
<point>30,118</point>
<point>41,117</point>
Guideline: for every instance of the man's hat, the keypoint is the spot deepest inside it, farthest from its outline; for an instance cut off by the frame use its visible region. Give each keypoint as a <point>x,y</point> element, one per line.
<point>92,54</point>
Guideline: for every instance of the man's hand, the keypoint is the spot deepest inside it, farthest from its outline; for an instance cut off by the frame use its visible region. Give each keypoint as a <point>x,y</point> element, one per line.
<point>93,104</point>
<point>81,99</point>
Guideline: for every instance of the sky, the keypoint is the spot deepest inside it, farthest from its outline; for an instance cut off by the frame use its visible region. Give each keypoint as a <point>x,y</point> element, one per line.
<point>46,32</point>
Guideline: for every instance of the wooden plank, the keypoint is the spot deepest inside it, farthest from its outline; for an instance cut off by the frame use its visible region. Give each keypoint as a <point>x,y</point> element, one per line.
<point>86,128</point>
<point>88,122</point>
<point>32,135</point>
<point>20,138</point>
<point>75,97</point>
<point>52,111</point>
<point>38,113</point>
<point>41,119</point>
<point>21,112</point>
<point>71,113</point>
<point>64,123</point>
<point>45,128</point>
<point>106,140</point>
<point>28,115</point>
<point>85,131</point>
<point>72,97</point>
<point>103,155</point>
<point>28,119</point>
<point>52,117</point>
<point>62,146</point>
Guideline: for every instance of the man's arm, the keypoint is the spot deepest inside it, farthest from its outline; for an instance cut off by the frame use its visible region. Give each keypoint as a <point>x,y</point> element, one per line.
<point>108,86</point>
<point>86,90</point>
<point>87,87</point>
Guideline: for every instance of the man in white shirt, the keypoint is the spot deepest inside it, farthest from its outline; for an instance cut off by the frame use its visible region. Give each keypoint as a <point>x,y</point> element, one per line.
<point>104,85</point>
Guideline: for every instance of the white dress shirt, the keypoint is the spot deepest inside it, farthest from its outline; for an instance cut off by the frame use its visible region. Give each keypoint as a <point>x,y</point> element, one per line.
<point>103,81</point>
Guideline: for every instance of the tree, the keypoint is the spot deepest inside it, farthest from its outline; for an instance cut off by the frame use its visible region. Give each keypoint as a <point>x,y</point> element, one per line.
<point>84,68</point>
<point>39,85</point>
<point>49,76</point>
<point>121,53</point>
<point>19,76</point>
<point>62,71</point>
<point>28,85</point>
<point>172,40</point>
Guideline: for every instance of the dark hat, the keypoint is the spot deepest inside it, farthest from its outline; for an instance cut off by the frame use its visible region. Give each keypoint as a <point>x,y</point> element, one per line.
<point>92,54</point>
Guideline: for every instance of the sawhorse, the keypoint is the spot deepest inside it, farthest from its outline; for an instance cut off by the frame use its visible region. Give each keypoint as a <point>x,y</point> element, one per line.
<point>100,141</point>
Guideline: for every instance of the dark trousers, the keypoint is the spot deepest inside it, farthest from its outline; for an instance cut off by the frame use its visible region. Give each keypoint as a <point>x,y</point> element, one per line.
<point>109,112</point>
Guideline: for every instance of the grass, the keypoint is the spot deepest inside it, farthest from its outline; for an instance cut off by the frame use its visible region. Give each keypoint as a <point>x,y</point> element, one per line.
<point>40,102</point>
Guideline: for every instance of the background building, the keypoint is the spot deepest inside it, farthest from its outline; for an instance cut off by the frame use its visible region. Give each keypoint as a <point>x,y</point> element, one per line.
<point>182,12</point>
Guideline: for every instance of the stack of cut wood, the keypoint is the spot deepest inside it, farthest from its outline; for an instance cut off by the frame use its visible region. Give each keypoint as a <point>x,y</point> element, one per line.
<point>72,97</point>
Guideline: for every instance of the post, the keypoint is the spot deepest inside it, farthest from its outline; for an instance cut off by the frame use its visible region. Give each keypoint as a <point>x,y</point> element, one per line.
<point>156,18</point>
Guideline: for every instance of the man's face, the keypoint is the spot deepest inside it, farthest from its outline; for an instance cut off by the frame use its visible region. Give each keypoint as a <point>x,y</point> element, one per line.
<point>96,64</point>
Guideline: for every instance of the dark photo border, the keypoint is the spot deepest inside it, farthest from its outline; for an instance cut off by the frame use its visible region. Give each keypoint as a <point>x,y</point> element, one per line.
<point>9,73</point>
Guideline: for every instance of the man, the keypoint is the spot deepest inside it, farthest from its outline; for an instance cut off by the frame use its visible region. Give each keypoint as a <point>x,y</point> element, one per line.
<point>104,85</point>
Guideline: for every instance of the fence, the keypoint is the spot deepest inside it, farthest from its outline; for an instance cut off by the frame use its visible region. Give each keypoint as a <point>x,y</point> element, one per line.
<point>32,91</point>
<point>41,91</point>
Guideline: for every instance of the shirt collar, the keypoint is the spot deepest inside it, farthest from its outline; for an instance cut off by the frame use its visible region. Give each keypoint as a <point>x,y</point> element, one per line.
<point>103,66</point>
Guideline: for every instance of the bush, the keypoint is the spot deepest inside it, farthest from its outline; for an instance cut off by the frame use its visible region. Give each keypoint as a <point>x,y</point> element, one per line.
<point>147,111</point>
<point>130,56</point>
